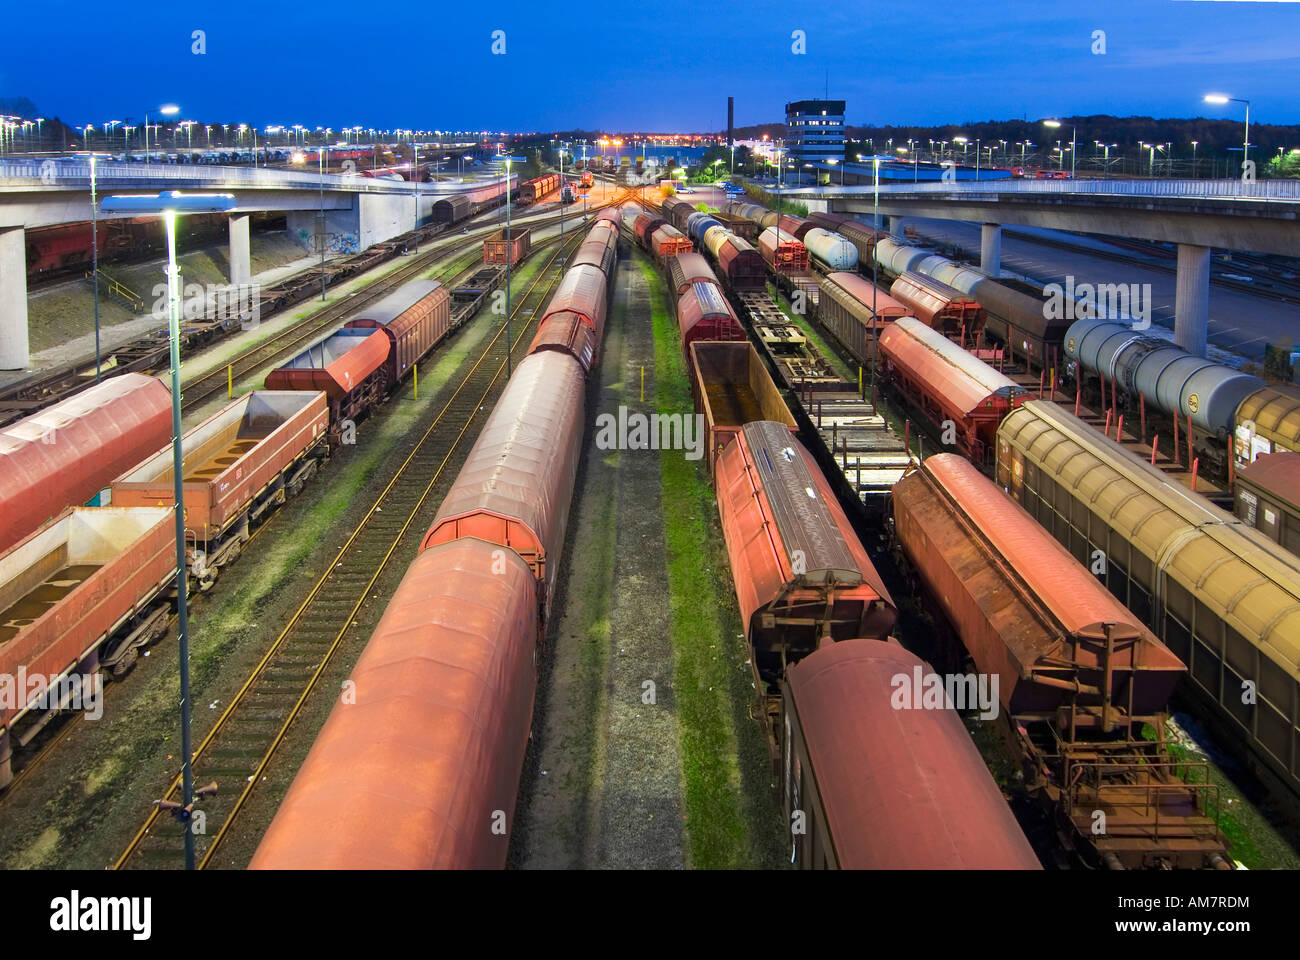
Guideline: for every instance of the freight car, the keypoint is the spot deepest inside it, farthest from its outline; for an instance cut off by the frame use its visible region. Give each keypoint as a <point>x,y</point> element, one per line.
<point>460,640</point>
<point>533,191</point>
<point>795,226</point>
<point>1222,597</point>
<point>829,250</point>
<point>752,211</point>
<point>676,212</point>
<point>703,313</point>
<point>958,316</point>
<point>739,264</point>
<point>863,774</point>
<point>959,396</point>
<point>1020,321</point>
<point>600,250</point>
<point>1199,393</point>
<point>413,318</point>
<point>497,250</point>
<point>1268,421</point>
<point>697,224</point>
<point>66,454</point>
<point>644,227</point>
<point>347,367</point>
<point>782,252</point>
<point>800,571</point>
<point>667,242</point>
<point>686,269</point>
<point>731,387</point>
<point>84,593</point>
<point>858,234</point>
<point>1267,496</point>
<point>240,463</point>
<point>574,320</point>
<point>409,775</point>
<point>747,230</point>
<point>846,307</point>
<point>1078,674</point>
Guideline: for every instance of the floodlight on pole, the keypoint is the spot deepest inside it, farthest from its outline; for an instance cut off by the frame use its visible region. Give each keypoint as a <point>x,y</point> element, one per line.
<point>168,204</point>
<point>1221,98</point>
<point>508,160</point>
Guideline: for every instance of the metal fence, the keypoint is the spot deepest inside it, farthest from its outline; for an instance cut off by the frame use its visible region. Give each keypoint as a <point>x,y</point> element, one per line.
<point>55,174</point>
<point>1262,190</point>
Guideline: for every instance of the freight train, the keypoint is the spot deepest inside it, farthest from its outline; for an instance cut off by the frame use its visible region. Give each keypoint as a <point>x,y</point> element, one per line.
<point>423,771</point>
<point>817,618</point>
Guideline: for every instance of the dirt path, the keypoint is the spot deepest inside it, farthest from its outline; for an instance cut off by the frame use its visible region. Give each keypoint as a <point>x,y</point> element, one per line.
<point>603,783</point>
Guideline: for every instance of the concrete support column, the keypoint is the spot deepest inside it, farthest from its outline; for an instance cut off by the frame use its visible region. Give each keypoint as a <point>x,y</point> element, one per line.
<point>991,249</point>
<point>1192,300</point>
<point>241,250</point>
<point>13,299</point>
<point>898,226</point>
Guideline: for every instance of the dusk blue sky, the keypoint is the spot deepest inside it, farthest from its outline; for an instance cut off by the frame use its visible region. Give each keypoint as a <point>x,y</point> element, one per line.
<point>625,66</point>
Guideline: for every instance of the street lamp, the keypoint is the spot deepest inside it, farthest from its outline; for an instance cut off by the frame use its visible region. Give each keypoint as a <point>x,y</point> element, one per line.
<point>1073,144</point>
<point>875,271</point>
<point>508,160</point>
<point>1245,144</point>
<point>169,203</point>
<point>167,110</point>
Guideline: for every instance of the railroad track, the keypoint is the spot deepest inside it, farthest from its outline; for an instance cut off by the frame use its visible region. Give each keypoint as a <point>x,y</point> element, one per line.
<point>237,751</point>
<point>302,333</point>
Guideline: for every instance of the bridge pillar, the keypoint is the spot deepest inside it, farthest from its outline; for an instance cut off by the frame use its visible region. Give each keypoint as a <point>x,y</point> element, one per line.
<point>13,299</point>
<point>241,250</point>
<point>991,249</point>
<point>1192,299</point>
<point>898,226</point>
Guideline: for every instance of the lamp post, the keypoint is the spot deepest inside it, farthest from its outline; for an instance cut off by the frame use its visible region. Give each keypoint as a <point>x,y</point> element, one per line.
<point>167,110</point>
<point>170,203</point>
<point>1073,145</point>
<point>415,175</point>
<point>508,160</point>
<point>1245,144</point>
<point>875,270</point>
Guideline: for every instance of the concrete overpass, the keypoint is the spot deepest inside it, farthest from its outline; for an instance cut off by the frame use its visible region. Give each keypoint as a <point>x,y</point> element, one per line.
<point>1197,215</point>
<point>358,212</point>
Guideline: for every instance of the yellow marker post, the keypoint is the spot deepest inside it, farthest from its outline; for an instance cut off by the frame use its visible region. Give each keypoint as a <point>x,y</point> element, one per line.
<point>230,381</point>
<point>859,380</point>
<point>643,383</point>
<point>416,380</point>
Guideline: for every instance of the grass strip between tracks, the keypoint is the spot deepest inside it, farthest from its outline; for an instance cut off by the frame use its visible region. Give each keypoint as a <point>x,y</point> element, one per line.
<point>716,828</point>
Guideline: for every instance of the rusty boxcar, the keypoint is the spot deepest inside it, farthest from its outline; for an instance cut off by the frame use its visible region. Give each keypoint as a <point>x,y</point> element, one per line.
<point>800,571</point>
<point>731,388</point>
<point>239,463</point>
<point>413,318</point>
<point>1079,676</point>
<point>348,366</point>
<point>497,250</point>
<point>85,592</point>
<point>65,454</point>
<point>883,788</point>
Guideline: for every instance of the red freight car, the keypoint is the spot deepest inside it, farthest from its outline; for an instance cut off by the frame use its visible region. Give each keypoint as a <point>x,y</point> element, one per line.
<point>882,788</point>
<point>800,572</point>
<point>644,227</point>
<point>676,212</point>
<point>610,217</point>
<point>1079,676</point>
<point>795,226</point>
<point>348,366</point>
<point>413,318</point>
<point>239,463</point>
<point>956,315</point>
<point>85,592</point>
<point>731,387</point>
<point>408,776</point>
<point>741,265</point>
<point>496,250</point>
<point>945,383</point>
<point>703,313</point>
<point>599,250</point>
<point>582,292</point>
<point>667,242</point>
<point>782,252</point>
<point>69,452</point>
<point>516,485</point>
<point>686,269</point>
<point>534,190</point>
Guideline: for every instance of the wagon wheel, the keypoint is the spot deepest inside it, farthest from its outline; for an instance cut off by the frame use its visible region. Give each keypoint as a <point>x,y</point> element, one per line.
<point>125,664</point>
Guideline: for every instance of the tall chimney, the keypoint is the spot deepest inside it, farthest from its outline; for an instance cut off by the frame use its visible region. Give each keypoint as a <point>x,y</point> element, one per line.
<point>731,118</point>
